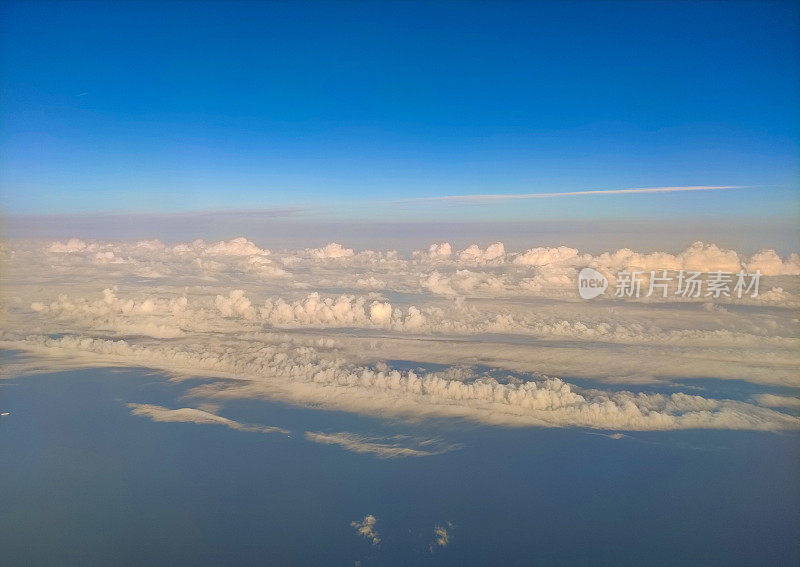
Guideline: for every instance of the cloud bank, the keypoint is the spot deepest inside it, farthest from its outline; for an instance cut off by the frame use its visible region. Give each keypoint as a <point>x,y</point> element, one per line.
<point>480,334</point>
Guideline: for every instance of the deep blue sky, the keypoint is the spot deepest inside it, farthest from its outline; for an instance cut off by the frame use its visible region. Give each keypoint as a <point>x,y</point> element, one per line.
<point>344,108</point>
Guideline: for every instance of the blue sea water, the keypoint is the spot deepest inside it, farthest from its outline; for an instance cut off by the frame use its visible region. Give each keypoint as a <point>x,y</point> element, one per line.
<point>84,482</point>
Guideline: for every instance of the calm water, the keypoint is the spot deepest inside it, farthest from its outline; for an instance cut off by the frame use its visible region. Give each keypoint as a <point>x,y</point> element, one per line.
<point>83,482</point>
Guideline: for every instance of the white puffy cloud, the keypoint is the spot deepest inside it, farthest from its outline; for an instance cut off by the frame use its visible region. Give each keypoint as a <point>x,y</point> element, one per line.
<point>71,245</point>
<point>463,282</point>
<point>261,266</point>
<point>545,256</point>
<point>380,312</point>
<point>366,528</point>
<point>708,257</point>
<point>770,264</point>
<point>699,257</point>
<point>127,316</point>
<point>235,304</point>
<point>235,247</point>
<point>330,250</point>
<point>474,254</point>
<point>436,251</point>
<point>346,310</point>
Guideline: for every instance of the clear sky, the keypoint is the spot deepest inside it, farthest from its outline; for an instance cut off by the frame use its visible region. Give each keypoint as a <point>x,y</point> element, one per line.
<point>347,110</point>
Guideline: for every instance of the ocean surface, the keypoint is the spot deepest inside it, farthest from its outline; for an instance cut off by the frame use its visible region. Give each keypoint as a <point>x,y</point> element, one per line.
<point>85,482</point>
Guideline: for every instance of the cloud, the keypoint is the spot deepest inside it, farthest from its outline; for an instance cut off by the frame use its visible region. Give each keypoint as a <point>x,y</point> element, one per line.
<point>330,250</point>
<point>384,448</point>
<point>168,317</point>
<point>545,256</point>
<point>464,282</point>
<point>305,375</point>
<point>235,247</point>
<point>490,272</point>
<point>235,304</point>
<point>441,537</point>
<point>770,264</point>
<point>192,415</point>
<point>262,267</point>
<point>366,529</point>
<point>123,316</point>
<point>474,254</point>
<point>71,245</point>
<point>503,325</point>
<point>508,196</point>
<point>436,251</point>
<point>371,283</point>
<point>773,401</point>
<point>699,257</point>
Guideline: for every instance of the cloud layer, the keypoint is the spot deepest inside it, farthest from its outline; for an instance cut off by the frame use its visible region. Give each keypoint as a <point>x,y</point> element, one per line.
<point>481,333</point>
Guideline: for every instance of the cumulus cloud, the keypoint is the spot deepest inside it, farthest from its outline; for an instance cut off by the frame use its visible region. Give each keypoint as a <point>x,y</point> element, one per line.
<point>126,316</point>
<point>473,253</point>
<point>436,251</point>
<point>262,267</point>
<point>193,415</point>
<point>236,303</point>
<point>235,247</point>
<point>71,245</point>
<point>463,282</point>
<point>330,250</point>
<point>698,257</point>
<point>380,312</point>
<point>545,256</point>
<point>770,264</point>
<point>366,529</point>
<point>384,448</point>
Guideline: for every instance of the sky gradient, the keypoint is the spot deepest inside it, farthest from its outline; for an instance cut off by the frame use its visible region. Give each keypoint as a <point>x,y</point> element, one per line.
<point>353,110</point>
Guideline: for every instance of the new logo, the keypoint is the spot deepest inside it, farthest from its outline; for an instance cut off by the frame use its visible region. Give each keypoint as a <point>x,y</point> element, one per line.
<point>591,283</point>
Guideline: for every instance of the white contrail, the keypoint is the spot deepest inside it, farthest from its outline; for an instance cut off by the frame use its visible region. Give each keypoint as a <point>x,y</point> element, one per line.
<point>498,197</point>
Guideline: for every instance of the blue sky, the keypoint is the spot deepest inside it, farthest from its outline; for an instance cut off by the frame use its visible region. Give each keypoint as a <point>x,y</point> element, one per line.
<point>346,110</point>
